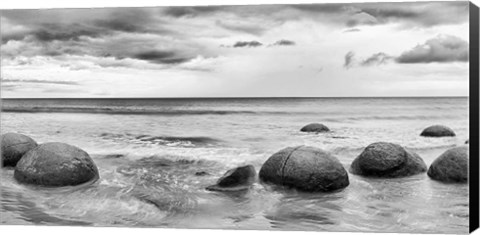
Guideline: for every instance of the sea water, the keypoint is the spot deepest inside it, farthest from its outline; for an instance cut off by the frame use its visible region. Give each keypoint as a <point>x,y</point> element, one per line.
<point>149,151</point>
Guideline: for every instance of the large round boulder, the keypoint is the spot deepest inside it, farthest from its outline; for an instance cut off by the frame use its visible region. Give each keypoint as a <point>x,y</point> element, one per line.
<point>451,166</point>
<point>14,146</point>
<point>56,164</point>
<point>437,131</point>
<point>315,127</point>
<point>387,160</point>
<point>306,169</point>
<point>237,179</point>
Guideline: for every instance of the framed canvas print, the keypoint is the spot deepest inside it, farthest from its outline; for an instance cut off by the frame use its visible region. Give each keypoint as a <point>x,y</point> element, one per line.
<point>332,117</point>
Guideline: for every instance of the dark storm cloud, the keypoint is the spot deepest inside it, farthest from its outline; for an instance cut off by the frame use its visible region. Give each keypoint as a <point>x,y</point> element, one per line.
<point>50,25</point>
<point>376,59</point>
<point>191,11</point>
<point>406,13</point>
<point>425,14</point>
<point>38,81</point>
<point>161,57</point>
<point>283,42</point>
<point>348,59</point>
<point>442,49</point>
<point>247,44</point>
<point>322,8</point>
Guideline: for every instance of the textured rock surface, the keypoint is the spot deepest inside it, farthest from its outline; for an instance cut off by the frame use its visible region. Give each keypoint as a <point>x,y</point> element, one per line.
<point>14,146</point>
<point>305,168</point>
<point>315,127</point>
<point>236,179</point>
<point>437,131</point>
<point>451,166</point>
<point>387,160</point>
<point>56,164</point>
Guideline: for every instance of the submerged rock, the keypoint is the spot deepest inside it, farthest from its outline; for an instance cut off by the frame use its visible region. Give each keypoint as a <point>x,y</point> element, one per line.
<point>14,146</point>
<point>315,127</point>
<point>236,179</point>
<point>306,169</point>
<point>387,160</point>
<point>56,164</point>
<point>451,166</point>
<point>201,173</point>
<point>437,131</point>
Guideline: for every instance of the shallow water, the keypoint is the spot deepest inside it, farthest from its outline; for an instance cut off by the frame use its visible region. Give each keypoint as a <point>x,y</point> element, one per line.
<point>148,152</point>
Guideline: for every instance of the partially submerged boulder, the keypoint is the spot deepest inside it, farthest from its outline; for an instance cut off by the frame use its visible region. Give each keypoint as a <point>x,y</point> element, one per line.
<point>14,146</point>
<point>387,160</point>
<point>56,164</point>
<point>437,131</point>
<point>237,179</point>
<point>451,166</point>
<point>315,127</point>
<point>306,169</point>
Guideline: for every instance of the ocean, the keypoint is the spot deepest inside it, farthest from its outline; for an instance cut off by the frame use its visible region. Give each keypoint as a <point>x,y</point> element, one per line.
<point>148,152</point>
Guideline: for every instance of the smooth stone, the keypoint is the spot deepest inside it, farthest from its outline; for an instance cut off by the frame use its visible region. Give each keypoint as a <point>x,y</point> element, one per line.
<point>14,146</point>
<point>306,169</point>
<point>451,166</point>
<point>387,160</point>
<point>240,178</point>
<point>315,127</point>
<point>437,131</point>
<point>56,164</point>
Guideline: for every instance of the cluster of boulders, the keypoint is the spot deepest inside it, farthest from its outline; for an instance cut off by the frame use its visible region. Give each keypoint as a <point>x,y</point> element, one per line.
<point>50,164</point>
<point>311,169</point>
<point>303,168</point>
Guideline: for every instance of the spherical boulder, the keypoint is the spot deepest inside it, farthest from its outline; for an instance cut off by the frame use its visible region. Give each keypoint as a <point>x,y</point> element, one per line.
<point>236,179</point>
<point>14,146</point>
<point>387,160</point>
<point>315,127</point>
<point>306,169</point>
<point>437,131</point>
<point>451,166</point>
<point>56,164</point>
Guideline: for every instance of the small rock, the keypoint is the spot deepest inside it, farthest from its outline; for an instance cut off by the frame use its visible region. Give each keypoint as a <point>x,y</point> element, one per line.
<point>315,127</point>
<point>451,166</point>
<point>201,173</point>
<point>387,160</point>
<point>56,164</point>
<point>467,142</point>
<point>14,146</point>
<point>236,179</point>
<point>437,131</point>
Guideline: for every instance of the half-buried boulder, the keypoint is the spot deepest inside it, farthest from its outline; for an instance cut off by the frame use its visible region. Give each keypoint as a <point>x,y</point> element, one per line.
<point>237,179</point>
<point>451,166</point>
<point>306,169</point>
<point>437,131</point>
<point>56,164</point>
<point>14,146</point>
<point>387,160</point>
<point>315,127</point>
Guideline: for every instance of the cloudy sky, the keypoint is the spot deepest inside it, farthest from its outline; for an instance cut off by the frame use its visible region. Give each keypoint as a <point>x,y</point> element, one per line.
<point>322,50</point>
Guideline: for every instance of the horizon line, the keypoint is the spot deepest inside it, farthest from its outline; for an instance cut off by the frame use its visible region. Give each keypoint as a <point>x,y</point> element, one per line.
<point>240,97</point>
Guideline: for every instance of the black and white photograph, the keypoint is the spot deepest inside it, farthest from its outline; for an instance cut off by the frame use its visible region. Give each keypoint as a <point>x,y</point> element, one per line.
<point>331,117</point>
